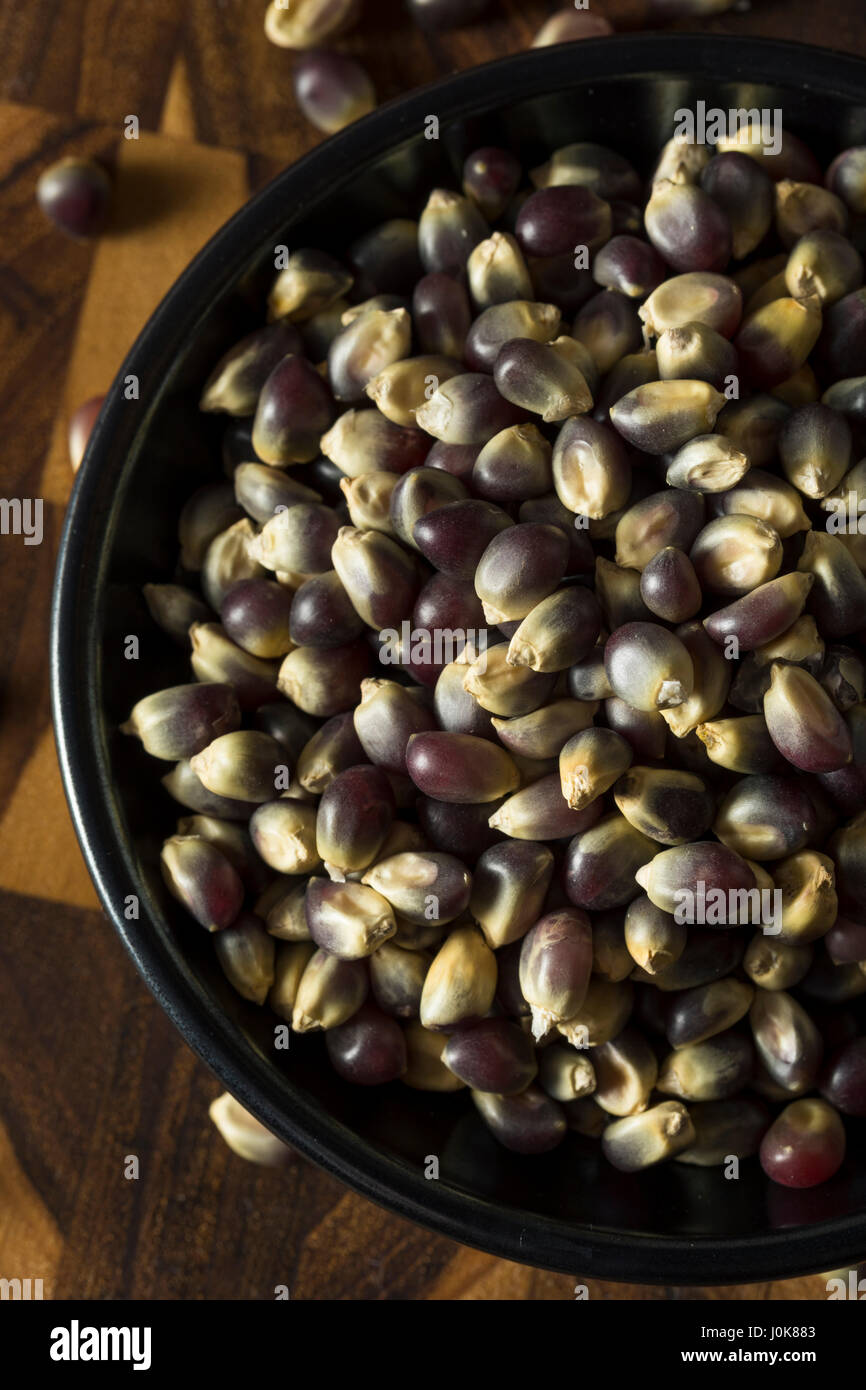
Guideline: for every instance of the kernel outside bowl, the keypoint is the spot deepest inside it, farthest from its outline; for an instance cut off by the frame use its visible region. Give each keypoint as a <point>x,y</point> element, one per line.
<point>569,1210</point>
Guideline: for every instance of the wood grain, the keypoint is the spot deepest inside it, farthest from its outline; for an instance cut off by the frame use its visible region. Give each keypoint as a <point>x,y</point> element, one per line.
<point>91,1072</point>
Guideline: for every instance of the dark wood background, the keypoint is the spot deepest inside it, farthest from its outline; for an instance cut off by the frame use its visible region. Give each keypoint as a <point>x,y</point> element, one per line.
<point>90,1069</point>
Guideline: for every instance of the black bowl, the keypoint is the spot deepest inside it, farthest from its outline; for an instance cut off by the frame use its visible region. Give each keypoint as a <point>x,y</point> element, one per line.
<point>567,1211</point>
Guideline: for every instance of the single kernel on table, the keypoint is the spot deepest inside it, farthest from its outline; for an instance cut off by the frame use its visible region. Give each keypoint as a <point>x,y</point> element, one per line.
<point>568,25</point>
<point>245,1135</point>
<point>306,23</point>
<point>332,89</point>
<point>75,194</point>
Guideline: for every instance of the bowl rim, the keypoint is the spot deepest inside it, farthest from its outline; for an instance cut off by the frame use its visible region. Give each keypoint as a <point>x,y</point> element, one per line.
<point>75,666</point>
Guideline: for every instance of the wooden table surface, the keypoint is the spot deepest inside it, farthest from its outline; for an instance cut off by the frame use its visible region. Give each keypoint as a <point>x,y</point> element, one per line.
<point>90,1069</point>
